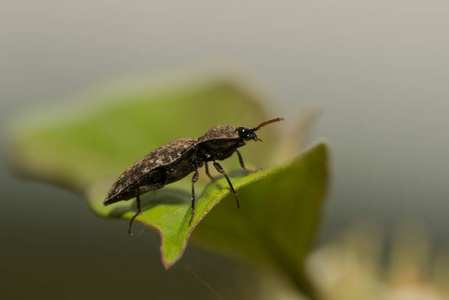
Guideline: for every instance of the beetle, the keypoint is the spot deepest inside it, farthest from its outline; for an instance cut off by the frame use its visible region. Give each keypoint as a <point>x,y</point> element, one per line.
<point>178,158</point>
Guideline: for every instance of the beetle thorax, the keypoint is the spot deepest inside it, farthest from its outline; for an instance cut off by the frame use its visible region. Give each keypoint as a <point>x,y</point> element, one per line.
<point>219,142</point>
<point>220,132</point>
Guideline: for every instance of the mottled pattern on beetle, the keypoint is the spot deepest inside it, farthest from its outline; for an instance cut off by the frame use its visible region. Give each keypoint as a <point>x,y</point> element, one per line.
<point>164,155</point>
<point>160,157</point>
<point>219,143</point>
<point>220,132</point>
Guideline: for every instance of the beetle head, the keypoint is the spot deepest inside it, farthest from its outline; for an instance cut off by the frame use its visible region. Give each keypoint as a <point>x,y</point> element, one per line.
<point>247,134</point>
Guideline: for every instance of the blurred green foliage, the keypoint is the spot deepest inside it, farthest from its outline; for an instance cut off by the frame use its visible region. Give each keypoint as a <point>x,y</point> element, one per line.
<point>86,149</point>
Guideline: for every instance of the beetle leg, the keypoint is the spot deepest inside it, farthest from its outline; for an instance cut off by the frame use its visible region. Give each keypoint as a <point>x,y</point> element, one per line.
<point>137,212</point>
<point>220,169</point>
<point>243,165</point>
<point>207,171</point>
<point>194,179</point>
<point>142,190</point>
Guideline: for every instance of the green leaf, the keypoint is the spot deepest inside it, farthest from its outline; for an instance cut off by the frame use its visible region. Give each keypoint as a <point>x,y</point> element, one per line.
<point>291,191</point>
<point>104,134</point>
<point>278,218</point>
<point>87,150</point>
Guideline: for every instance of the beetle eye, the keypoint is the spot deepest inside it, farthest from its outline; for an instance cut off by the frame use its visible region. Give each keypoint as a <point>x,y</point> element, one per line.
<point>244,132</point>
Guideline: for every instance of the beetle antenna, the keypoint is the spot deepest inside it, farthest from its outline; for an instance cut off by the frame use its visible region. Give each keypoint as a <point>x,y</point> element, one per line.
<point>267,123</point>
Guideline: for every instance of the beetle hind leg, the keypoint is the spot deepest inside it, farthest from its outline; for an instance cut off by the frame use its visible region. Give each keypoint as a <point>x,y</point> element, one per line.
<point>142,190</point>
<point>242,165</point>
<point>137,212</point>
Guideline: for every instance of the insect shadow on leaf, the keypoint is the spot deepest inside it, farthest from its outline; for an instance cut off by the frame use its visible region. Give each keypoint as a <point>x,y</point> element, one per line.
<point>148,201</point>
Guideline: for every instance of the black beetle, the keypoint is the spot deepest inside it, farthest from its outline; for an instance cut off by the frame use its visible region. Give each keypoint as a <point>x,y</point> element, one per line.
<point>176,159</point>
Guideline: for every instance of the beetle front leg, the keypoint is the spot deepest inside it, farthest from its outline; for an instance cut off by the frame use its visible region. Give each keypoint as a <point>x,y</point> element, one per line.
<point>220,169</point>
<point>195,177</point>
<point>242,165</point>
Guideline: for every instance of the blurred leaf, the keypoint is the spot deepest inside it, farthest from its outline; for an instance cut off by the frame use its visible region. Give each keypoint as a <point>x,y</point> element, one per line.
<point>79,146</point>
<point>86,151</point>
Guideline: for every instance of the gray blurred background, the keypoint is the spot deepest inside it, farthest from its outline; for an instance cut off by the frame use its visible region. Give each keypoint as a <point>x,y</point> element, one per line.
<point>380,67</point>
